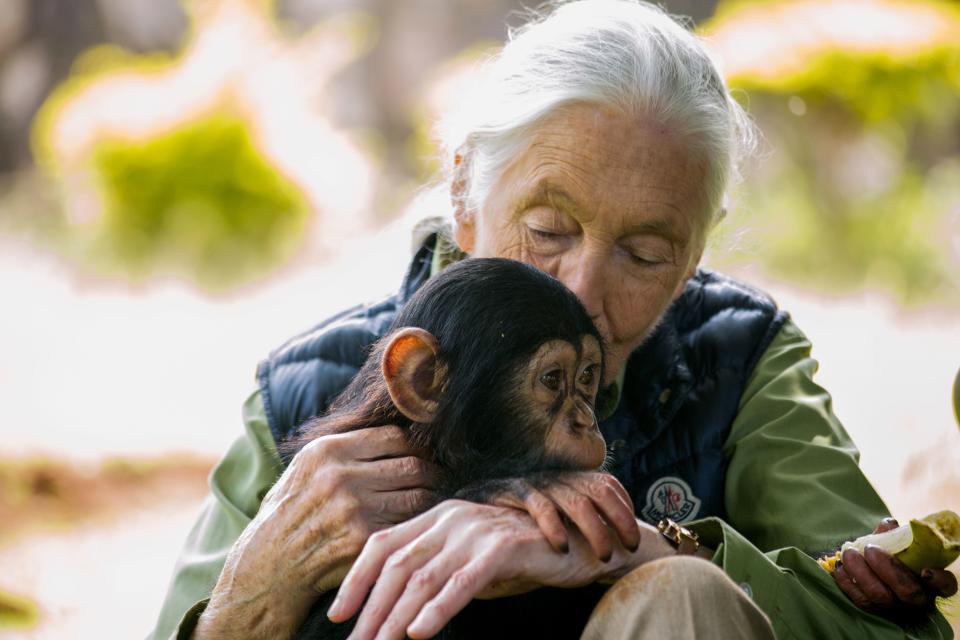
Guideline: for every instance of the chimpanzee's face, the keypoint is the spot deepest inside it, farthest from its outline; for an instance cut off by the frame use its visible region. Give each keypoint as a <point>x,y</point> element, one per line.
<point>562,381</point>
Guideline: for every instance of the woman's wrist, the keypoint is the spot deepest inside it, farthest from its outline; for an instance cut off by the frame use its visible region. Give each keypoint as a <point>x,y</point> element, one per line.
<point>653,546</point>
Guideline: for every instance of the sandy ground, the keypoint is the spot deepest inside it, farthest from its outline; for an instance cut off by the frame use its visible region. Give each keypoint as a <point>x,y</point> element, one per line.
<point>90,370</point>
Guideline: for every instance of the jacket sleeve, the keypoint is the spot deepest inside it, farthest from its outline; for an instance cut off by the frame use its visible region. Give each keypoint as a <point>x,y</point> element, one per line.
<point>237,486</point>
<point>793,490</point>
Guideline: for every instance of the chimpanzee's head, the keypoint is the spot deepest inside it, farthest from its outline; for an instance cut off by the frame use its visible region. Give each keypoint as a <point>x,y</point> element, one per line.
<point>494,367</point>
<point>497,365</point>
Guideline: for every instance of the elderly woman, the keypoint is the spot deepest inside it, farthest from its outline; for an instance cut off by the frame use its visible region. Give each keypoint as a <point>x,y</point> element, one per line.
<point>599,149</point>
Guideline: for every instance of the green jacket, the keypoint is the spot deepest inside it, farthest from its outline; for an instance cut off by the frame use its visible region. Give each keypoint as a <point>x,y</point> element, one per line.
<point>792,480</point>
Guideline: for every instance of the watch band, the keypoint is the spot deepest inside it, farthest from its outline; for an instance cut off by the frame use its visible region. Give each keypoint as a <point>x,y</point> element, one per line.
<point>685,541</point>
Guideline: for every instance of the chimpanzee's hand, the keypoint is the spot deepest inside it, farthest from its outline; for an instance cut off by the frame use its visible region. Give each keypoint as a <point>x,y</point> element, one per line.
<point>311,526</point>
<point>879,583</point>
<point>594,502</point>
<point>423,572</point>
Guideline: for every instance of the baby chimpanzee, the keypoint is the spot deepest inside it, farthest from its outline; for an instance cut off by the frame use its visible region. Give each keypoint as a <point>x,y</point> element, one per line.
<point>493,367</point>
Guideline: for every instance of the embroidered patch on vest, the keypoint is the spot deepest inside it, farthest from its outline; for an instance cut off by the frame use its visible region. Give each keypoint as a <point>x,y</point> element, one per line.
<point>670,497</point>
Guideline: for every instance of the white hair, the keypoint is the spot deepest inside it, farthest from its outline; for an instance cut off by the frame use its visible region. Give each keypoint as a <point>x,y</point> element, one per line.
<point>625,54</point>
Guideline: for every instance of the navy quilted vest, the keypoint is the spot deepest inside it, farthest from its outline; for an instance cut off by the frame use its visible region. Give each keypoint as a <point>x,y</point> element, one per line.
<point>681,390</point>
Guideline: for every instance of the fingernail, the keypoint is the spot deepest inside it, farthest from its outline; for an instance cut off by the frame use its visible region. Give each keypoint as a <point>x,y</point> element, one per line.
<point>415,628</point>
<point>927,575</point>
<point>334,609</point>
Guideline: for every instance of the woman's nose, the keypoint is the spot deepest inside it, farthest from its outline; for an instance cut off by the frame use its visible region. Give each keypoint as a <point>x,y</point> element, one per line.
<point>584,276</point>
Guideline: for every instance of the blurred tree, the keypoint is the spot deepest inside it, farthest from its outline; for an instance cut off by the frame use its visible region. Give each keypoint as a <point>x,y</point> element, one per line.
<point>40,39</point>
<point>200,198</point>
<point>859,102</point>
<point>207,163</point>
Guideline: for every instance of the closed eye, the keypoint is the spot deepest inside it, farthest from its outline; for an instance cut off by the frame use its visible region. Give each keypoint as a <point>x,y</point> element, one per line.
<point>645,261</point>
<point>541,233</point>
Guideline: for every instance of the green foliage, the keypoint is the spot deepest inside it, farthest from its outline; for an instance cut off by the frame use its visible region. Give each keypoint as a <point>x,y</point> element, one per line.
<point>200,198</point>
<point>860,182</point>
<point>17,612</point>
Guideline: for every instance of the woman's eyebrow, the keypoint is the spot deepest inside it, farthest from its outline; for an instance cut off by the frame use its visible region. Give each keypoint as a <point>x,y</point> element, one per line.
<point>664,227</point>
<point>547,192</point>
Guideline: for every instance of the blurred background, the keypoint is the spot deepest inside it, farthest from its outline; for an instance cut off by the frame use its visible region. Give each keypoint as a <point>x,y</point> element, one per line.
<point>185,184</point>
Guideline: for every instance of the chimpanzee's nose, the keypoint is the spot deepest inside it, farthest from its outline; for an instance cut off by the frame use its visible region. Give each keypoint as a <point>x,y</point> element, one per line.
<point>583,416</point>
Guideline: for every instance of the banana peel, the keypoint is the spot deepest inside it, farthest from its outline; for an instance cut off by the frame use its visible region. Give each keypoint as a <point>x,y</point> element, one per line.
<point>926,543</point>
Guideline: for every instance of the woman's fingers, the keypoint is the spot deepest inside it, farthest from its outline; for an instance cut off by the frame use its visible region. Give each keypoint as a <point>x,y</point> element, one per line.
<point>878,594</point>
<point>398,571</point>
<point>940,581</point>
<point>424,584</point>
<point>394,507</point>
<point>375,443</point>
<point>903,582</point>
<point>849,587</point>
<point>407,472</point>
<point>462,586</point>
<point>380,546</point>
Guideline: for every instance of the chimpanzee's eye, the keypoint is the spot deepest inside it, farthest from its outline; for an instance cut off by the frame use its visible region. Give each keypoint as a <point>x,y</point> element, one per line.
<point>551,380</point>
<point>586,376</point>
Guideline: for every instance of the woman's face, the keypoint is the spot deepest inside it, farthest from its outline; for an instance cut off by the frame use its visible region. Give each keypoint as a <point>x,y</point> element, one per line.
<point>607,205</point>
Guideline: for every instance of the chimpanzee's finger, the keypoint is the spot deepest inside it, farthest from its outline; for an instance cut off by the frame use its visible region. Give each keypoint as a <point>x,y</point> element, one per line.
<point>463,585</point>
<point>940,581</point>
<point>366,569</point>
<point>887,524</point>
<point>849,587</point>
<point>542,510</point>
<point>872,586</point>
<point>544,513</point>
<point>617,513</point>
<point>614,484</point>
<point>407,472</point>
<point>581,511</point>
<point>902,581</point>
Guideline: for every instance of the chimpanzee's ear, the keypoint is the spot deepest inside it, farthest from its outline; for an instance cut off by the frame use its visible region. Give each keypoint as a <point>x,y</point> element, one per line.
<point>412,373</point>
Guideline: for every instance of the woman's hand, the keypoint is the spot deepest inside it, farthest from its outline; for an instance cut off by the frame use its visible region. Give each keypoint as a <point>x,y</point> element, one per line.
<point>879,583</point>
<point>312,524</point>
<point>594,502</point>
<point>423,572</point>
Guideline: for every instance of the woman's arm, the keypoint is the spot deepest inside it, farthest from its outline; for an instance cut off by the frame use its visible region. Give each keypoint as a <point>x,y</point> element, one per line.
<point>266,562</point>
<point>237,486</point>
<point>793,481</point>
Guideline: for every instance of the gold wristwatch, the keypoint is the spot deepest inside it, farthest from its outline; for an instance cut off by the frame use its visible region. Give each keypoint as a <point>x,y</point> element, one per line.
<point>686,542</point>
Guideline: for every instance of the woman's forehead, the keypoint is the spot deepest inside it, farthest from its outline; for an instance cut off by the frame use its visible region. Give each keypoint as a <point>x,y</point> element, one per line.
<point>601,166</point>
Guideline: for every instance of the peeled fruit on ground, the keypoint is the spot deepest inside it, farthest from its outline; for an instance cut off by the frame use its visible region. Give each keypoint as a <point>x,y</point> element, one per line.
<point>928,543</point>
